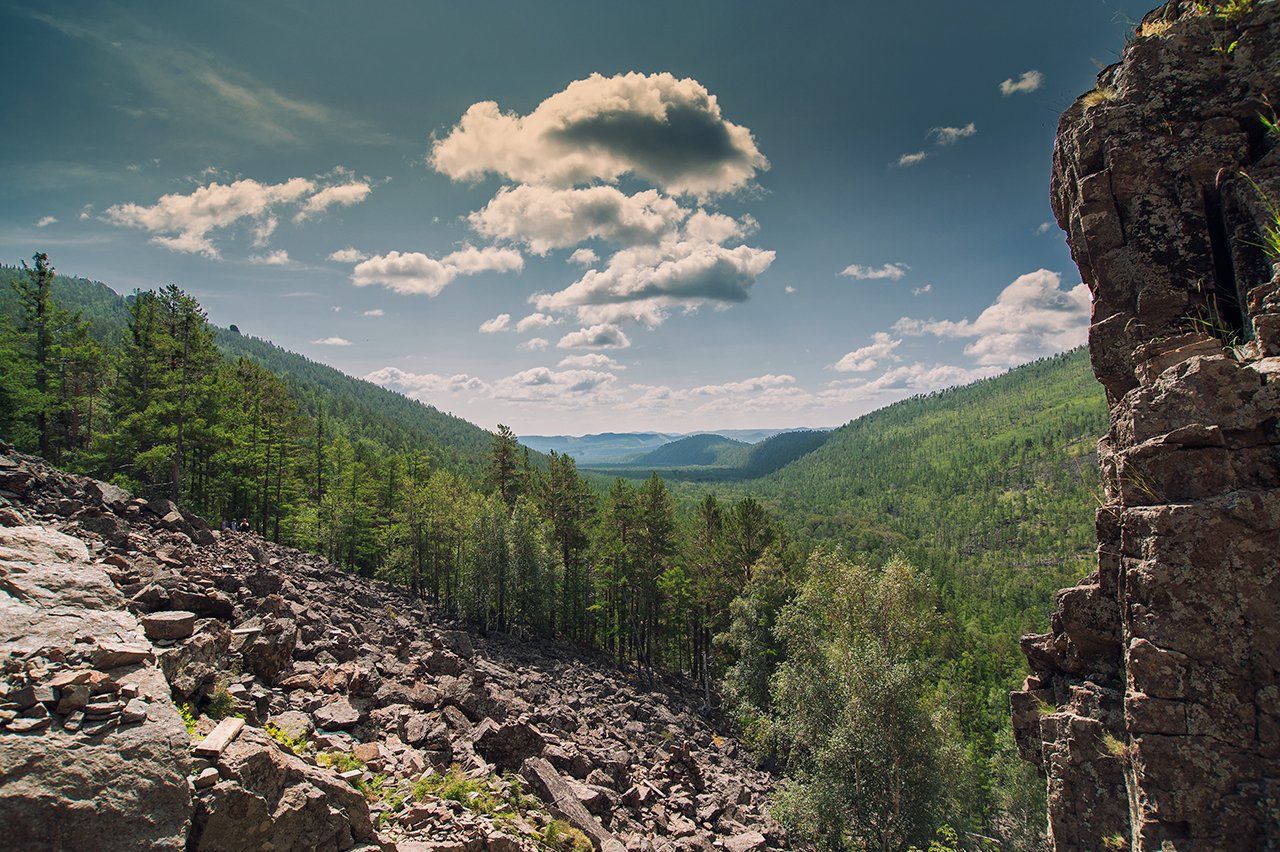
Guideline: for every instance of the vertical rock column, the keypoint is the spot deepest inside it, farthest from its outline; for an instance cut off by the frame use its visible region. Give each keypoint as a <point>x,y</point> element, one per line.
<point>1153,707</point>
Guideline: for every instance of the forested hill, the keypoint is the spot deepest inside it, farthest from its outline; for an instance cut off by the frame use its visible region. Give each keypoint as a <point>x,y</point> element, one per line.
<point>364,410</point>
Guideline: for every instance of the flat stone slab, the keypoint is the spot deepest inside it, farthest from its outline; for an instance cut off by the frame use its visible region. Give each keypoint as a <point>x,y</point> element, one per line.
<point>112,655</point>
<point>171,624</point>
<point>219,738</point>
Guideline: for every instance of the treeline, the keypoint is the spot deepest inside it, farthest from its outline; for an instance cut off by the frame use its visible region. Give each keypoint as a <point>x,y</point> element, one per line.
<point>839,670</point>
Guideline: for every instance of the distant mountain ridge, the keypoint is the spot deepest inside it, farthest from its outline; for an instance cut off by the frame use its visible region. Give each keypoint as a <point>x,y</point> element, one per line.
<point>612,448</point>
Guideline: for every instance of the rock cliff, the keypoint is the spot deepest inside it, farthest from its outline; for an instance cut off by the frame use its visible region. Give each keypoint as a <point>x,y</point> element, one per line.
<point>169,687</point>
<point>1153,704</point>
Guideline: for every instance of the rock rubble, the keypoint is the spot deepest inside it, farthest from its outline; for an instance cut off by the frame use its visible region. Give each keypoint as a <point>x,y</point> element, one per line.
<point>215,691</point>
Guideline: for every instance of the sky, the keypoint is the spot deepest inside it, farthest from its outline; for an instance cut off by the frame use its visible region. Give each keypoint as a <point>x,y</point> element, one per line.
<point>572,217</point>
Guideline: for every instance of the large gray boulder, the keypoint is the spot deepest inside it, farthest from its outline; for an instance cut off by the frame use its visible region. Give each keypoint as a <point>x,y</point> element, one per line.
<point>121,786</point>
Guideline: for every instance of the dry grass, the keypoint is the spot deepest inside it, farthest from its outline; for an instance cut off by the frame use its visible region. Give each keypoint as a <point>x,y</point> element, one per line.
<point>1100,95</point>
<point>1154,29</point>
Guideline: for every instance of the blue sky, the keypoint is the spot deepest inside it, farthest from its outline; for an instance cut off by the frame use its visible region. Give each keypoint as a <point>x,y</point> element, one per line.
<point>717,214</point>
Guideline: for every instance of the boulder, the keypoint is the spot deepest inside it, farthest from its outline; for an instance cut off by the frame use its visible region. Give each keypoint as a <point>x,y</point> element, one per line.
<point>337,715</point>
<point>169,624</point>
<point>268,798</point>
<point>269,653</point>
<point>507,745</point>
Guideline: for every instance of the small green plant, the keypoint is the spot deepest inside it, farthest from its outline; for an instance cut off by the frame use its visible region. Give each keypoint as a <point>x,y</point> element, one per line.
<point>1270,243</point>
<point>562,837</point>
<point>297,745</point>
<point>1098,96</point>
<point>342,761</point>
<point>1115,841</point>
<point>222,703</point>
<point>1044,708</point>
<point>1225,10</point>
<point>455,786</point>
<point>1113,745</point>
<point>380,790</point>
<point>188,718</point>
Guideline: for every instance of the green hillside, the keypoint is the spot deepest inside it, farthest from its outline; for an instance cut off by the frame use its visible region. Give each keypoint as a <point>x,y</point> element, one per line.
<point>693,450</point>
<point>365,410</point>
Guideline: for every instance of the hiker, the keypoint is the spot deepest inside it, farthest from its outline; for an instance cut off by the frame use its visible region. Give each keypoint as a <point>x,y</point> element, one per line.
<point>244,525</point>
<point>226,525</point>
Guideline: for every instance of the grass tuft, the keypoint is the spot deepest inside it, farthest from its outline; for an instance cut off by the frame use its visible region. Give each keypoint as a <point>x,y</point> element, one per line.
<point>1098,96</point>
<point>1154,29</point>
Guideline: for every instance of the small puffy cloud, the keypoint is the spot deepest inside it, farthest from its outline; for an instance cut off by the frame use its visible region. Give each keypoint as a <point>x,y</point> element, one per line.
<point>1044,227</point>
<point>645,282</point>
<point>1029,81</point>
<point>495,325</point>
<point>656,127</point>
<point>920,291</point>
<point>414,273</point>
<point>279,257</point>
<point>545,218</point>
<point>342,195</point>
<point>86,213</point>
<point>347,255</point>
<point>183,222</point>
<point>908,160</point>
<point>1032,317</point>
<point>590,361</point>
<point>46,221</point>
<point>952,135</point>
<point>789,290</point>
<point>535,321</point>
<point>556,387</point>
<point>600,336</point>
<point>881,348</point>
<point>376,312</point>
<point>535,344</point>
<point>423,386</point>
<point>887,272</point>
<point>332,341</point>
<point>584,257</point>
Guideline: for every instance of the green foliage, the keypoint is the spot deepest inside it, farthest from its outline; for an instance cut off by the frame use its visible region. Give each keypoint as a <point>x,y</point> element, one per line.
<point>1230,11</point>
<point>455,786</point>
<point>298,745</point>
<point>1270,237</point>
<point>221,704</point>
<point>560,836</point>
<point>343,761</point>
<point>188,715</point>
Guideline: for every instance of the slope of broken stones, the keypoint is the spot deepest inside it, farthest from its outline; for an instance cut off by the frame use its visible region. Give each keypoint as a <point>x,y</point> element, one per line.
<point>361,706</point>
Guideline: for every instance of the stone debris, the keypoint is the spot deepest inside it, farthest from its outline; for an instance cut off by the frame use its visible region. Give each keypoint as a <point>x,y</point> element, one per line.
<point>1152,704</point>
<point>330,711</point>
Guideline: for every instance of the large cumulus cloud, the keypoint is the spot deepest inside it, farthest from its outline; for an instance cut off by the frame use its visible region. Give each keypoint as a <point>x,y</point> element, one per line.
<point>657,127</point>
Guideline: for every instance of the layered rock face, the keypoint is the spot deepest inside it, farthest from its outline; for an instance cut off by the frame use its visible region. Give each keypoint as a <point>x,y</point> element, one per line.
<point>1154,707</point>
<point>352,715</point>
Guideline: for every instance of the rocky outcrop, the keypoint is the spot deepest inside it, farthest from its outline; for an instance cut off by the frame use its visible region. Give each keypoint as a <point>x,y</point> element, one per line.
<point>368,719</point>
<point>1152,704</point>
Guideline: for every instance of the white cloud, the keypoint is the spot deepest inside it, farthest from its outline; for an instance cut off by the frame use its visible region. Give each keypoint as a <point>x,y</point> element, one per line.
<point>584,257</point>
<point>422,386</point>
<point>417,273</point>
<point>535,344</point>
<point>920,291</point>
<point>555,387</point>
<point>888,272</point>
<point>498,323</point>
<point>952,135</point>
<point>1044,227</point>
<point>869,357</point>
<point>644,283</point>
<point>666,131</point>
<point>348,255</point>
<point>535,321</point>
<point>1031,318</point>
<point>914,378</point>
<point>590,361</point>
<point>342,195</point>
<point>183,222</point>
<point>788,289</point>
<point>332,341</point>
<point>376,312</point>
<point>600,336</point>
<point>86,213</point>
<point>279,257</point>
<point>46,221</point>
<point>908,160</point>
<point>545,218</point>
<point>1028,82</point>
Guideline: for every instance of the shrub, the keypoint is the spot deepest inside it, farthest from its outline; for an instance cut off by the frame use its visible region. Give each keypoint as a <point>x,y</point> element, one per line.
<point>457,787</point>
<point>221,704</point>
<point>562,837</point>
<point>188,718</point>
<point>297,745</point>
<point>341,760</point>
